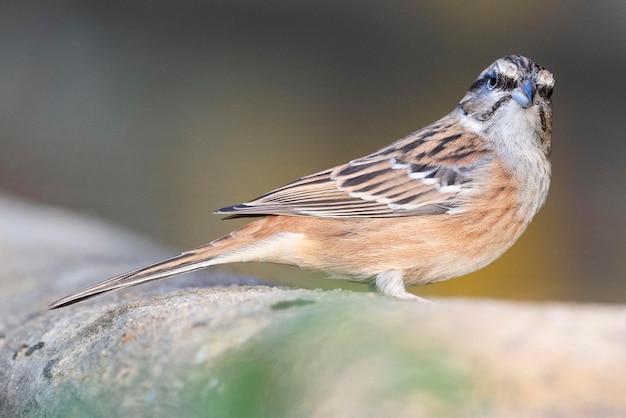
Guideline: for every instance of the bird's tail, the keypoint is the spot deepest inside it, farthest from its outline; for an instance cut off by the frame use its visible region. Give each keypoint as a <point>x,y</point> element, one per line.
<point>230,248</point>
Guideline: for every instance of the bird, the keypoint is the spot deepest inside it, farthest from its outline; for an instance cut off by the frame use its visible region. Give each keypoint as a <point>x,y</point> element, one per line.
<point>441,202</point>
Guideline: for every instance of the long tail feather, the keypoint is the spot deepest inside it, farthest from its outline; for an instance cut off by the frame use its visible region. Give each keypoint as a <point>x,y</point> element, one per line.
<point>250,243</point>
<point>183,263</point>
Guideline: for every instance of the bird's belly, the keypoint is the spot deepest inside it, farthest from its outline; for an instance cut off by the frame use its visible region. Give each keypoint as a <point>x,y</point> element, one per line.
<point>427,248</point>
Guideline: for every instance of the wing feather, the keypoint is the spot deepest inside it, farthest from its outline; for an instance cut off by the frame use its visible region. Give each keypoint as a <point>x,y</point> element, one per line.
<point>428,172</point>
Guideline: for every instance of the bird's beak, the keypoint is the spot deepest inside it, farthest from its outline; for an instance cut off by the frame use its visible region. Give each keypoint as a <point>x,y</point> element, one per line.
<point>525,95</point>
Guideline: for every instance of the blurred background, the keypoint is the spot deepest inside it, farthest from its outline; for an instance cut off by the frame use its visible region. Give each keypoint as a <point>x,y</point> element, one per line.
<point>153,114</point>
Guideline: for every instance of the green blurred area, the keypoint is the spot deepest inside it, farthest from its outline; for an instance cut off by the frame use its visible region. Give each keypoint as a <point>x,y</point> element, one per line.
<point>154,114</point>
<point>327,362</point>
<point>316,358</point>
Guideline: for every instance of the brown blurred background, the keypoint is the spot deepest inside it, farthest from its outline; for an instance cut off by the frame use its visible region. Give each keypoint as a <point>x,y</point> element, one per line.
<point>154,114</point>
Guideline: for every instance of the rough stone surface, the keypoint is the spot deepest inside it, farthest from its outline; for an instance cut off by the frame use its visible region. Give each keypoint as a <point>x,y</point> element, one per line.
<point>184,348</point>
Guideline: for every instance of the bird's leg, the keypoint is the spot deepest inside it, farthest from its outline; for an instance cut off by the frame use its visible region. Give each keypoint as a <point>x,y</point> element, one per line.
<point>391,283</point>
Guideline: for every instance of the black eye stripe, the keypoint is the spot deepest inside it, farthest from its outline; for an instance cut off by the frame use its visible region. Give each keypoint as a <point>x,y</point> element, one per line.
<point>544,91</point>
<point>479,83</point>
<point>504,83</point>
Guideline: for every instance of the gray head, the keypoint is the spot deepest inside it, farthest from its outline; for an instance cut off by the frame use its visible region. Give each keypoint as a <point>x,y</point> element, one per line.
<point>511,97</point>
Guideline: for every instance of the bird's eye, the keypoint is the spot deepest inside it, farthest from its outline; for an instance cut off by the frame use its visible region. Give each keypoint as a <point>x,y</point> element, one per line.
<point>492,82</point>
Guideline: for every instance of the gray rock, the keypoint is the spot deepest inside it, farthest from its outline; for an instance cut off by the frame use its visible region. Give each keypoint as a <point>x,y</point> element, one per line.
<point>183,348</point>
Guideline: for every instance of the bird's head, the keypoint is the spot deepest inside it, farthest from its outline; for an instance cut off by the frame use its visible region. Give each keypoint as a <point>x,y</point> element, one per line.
<point>509,104</point>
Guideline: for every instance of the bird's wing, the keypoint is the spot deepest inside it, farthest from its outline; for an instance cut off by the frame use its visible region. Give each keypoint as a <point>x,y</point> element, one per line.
<point>427,172</point>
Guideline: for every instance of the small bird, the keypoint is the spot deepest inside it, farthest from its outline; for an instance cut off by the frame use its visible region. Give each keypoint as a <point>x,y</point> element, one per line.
<point>442,202</point>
